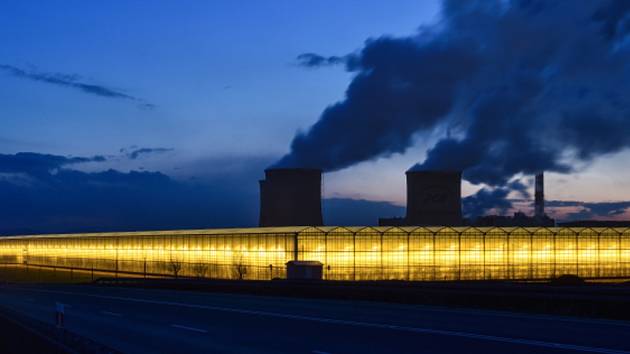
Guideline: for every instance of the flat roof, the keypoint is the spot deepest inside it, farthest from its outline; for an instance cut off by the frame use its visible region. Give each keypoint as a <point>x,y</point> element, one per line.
<point>322,229</point>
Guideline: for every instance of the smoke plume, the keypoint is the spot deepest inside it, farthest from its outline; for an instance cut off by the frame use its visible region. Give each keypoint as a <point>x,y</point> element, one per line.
<point>522,86</point>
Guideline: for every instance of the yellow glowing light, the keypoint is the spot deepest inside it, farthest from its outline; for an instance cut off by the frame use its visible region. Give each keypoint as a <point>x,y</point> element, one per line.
<point>347,253</point>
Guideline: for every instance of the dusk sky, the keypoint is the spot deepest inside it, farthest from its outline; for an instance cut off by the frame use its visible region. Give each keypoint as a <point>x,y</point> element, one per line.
<point>198,97</point>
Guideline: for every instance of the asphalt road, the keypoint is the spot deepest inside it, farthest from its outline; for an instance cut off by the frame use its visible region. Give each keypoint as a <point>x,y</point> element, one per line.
<point>158,321</point>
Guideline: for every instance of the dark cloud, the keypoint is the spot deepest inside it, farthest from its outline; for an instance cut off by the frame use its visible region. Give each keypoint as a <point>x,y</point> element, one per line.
<point>390,99</point>
<point>74,82</point>
<point>548,97</point>
<point>495,199</point>
<point>312,60</point>
<point>615,19</point>
<point>589,210</point>
<point>39,164</point>
<point>521,87</point>
<point>491,201</point>
<point>134,154</point>
<point>42,194</point>
<point>111,200</point>
<point>486,199</point>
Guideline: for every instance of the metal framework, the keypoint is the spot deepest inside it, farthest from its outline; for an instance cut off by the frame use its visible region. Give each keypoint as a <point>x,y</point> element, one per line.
<point>348,253</point>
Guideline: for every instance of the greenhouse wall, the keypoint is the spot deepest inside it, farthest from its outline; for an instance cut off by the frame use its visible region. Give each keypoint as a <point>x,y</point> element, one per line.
<point>347,253</point>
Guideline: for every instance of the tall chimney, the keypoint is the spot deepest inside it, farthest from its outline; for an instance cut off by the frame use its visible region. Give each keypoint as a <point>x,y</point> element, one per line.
<point>434,198</point>
<point>291,197</point>
<point>539,195</point>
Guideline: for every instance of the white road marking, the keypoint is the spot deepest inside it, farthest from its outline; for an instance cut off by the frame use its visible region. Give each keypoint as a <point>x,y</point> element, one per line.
<point>491,338</point>
<point>189,328</point>
<point>498,313</point>
<point>115,314</point>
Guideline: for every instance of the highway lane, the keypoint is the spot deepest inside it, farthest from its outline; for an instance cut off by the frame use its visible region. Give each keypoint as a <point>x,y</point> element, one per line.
<point>158,321</point>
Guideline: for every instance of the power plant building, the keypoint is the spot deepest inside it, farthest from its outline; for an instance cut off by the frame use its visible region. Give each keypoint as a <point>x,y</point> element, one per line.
<point>539,196</point>
<point>357,253</point>
<point>433,198</point>
<point>291,196</point>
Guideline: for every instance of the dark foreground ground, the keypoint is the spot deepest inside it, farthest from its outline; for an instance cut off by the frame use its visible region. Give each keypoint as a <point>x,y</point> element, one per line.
<point>140,320</point>
<point>16,338</point>
<point>609,299</point>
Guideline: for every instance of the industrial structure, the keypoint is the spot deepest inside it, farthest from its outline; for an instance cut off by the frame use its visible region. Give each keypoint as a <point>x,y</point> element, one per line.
<point>359,253</point>
<point>540,218</point>
<point>433,198</point>
<point>539,197</point>
<point>291,196</point>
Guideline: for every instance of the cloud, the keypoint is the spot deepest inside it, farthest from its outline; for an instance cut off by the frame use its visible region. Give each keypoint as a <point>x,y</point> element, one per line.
<point>391,98</point>
<point>40,164</point>
<point>614,16</point>
<point>486,200</point>
<point>312,60</point>
<point>579,210</point>
<point>73,82</point>
<point>134,154</point>
<point>496,201</point>
<point>520,87</point>
<point>41,193</point>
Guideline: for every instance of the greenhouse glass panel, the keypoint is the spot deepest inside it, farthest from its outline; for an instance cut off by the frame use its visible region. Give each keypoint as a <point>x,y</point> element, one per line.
<point>496,254</point>
<point>421,254</point>
<point>472,254</point>
<point>368,254</point>
<point>609,253</point>
<point>588,255</point>
<point>543,256</point>
<point>395,253</point>
<point>446,254</point>
<point>624,253</point>
<point>312,245</point>
<point>340,254</point>
<point>566,252</point>
<point>520,251</point>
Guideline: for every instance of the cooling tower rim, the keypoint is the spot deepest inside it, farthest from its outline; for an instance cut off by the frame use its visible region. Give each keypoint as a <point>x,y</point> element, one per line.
<point>291,169</point>
<point>433,172</point>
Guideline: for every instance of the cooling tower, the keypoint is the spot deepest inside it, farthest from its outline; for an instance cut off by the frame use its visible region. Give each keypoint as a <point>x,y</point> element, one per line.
<point>291,197</point>
<point>539,197</point>
<point>434,198</point>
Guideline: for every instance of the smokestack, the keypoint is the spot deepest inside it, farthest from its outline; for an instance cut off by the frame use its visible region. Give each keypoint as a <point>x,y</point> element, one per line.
<point>291,197</point>
<point>539,195</point>
<point>434,198</point>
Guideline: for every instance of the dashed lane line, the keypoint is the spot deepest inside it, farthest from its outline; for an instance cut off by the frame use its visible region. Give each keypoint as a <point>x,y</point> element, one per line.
<point>483,337</point>
<point>189,328</point>
<point>115,314</point>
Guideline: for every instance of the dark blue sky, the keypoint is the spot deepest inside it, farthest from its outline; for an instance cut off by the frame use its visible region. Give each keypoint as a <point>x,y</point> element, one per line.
<point>204,95</point>
<point>222,75</point>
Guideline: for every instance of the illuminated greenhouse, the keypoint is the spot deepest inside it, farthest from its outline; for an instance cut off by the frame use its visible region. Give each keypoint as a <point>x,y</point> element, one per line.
<point>347,253</point>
